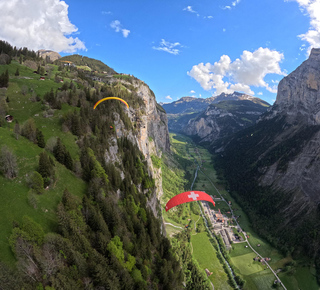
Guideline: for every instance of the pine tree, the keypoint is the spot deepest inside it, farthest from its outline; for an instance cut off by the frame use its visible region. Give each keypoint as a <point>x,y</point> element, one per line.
<point>69,201</point>
<point>29,130</point>
<point>4,79</point>
<point>32,228</point>
<point>40,138</point>
<point>75,127</point>
<point>36,182</point>
<point>17,72</point>
<point>46,168</point>
<point>68,162</point>
<point>59,151</point>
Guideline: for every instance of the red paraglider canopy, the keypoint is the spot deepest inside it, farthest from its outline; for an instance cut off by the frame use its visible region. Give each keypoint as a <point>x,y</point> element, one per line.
<point>187,197</point>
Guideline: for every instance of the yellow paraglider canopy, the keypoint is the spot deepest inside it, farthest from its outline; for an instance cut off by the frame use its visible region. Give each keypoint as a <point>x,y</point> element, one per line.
<point>110,98</point>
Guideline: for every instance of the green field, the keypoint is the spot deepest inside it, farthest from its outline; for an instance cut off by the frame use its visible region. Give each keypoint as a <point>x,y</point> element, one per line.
<point>246,265</point>
<point>205,254</point>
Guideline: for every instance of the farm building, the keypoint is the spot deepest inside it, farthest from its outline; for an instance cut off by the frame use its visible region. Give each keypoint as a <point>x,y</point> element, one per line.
<point>9,118</point>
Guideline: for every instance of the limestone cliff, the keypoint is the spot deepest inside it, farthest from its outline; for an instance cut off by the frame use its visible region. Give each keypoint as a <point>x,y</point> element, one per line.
<point>298,100</point>
<point>298,93</point>
<point>150,133</point>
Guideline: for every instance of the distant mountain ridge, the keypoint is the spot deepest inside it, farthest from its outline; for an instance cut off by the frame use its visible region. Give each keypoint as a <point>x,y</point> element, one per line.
<point>191,104</point>
<point>224,118</point>
<point>188,114</point>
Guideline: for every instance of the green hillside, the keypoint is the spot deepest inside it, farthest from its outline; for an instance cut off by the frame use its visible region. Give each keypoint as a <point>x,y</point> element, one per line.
<point>70,220</point>
<point>86,62</point>
<point>15,194</point>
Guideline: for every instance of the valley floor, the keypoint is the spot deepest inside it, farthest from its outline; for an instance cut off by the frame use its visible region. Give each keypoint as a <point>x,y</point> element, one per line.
<point>243,259</point>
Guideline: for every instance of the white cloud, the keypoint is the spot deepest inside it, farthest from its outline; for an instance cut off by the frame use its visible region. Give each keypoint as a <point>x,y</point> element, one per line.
<point>168,97</point>
<point>189,9</point>
<point>38,24</point>
<point>234,3</point>
<point>248,70</point>
<point>125,32</point>
<point>260,94</point>
<point>106,12</point>
<point>192,92</point>
<point>170,47</point>
<point>116,25</point>
<point>240,88</point>
<point>312,36</point>
<point>272,89</point>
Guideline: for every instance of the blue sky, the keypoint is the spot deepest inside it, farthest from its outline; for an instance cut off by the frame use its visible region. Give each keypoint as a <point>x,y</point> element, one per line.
<point>179,48</point>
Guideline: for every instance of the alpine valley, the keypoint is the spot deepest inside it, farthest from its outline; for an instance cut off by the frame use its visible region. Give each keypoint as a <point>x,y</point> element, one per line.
<point>83,190</point>
<point>272,167</point>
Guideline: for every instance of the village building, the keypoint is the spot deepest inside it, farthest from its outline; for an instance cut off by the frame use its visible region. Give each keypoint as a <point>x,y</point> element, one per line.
<point>219,217</point>
<point>9,118</point>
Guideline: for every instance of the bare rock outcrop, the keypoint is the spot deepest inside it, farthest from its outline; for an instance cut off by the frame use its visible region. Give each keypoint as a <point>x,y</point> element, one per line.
<point>299,94</point>
<point>150,134</point>
<point>49,53</point>
<point>298,100</point>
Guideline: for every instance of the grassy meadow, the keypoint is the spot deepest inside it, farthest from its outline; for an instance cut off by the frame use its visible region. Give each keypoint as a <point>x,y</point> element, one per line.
<point>15,195</point>
<point>206,256</point>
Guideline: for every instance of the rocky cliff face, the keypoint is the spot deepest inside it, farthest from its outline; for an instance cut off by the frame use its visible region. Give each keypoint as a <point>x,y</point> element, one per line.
<point>223,119</point>
<point>150,134</point>
<point>298,93</point>
<point>298,100</point>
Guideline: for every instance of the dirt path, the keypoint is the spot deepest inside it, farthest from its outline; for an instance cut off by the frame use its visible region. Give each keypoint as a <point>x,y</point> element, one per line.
<point>173,225</point>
